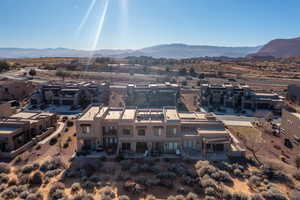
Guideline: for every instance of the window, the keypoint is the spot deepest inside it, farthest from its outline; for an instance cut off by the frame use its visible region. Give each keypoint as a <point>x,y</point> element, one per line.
<point>126,131</point>
<point>141,132</point>
<point>86,128</point>
<point>158,131</point>
<point>174,131</point>
<point>126,146</point>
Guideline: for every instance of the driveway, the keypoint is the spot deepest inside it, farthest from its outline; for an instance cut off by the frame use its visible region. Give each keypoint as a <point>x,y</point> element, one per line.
<point>59,129</point>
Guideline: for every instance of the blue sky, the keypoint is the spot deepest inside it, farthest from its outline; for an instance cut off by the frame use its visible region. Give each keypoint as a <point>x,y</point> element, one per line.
<point>141,23</point>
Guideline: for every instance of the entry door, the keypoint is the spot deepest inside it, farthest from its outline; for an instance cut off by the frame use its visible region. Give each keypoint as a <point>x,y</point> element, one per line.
<point>141,147</point>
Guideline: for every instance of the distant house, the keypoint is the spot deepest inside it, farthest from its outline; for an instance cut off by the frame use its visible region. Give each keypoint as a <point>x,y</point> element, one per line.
<point>239,97</point>
<point>152,95</point>
<point>290,123</point>
<point>293,93</point>
<point>6,109</point>
<point>15,89</point>
<point>20,129</point>
<point>71,94</point>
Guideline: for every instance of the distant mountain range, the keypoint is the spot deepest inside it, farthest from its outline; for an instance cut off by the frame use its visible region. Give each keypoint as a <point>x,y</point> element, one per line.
<point>159,51</point>
<point>280,48</point>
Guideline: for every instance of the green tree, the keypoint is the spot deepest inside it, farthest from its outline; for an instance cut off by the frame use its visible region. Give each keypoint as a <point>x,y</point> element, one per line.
<point>192,71</point>
<point>297,161</point>
<point>4,66</point>
<point>32,72</point>
<point>269,117</point>
<point>61,74</point>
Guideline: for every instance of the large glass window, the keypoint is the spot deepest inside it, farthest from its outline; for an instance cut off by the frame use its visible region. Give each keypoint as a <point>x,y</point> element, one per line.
<point>141,132</point>
<point>126,146</point>
<point>157,131</point>
<point>126,131</point>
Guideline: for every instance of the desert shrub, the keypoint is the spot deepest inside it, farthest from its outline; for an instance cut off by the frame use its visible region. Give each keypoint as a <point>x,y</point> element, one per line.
<point>125,165</point>
<point>4,168</point>
<point>70,123</point>
<point>166,175</point>
<point>107,193</point>
<point>51,165</point>
<point>209,198</point>
<point>254,180</point>
<point>276,175</point>
<point>210,191</point>
<point>57,191</point>
<point>273,194</point>
<point>12,181</point>
<point>225,177</point>
<point>75,187</point>
<point>150,197</point>
<point>3,178</point>
<point>83,196</point>
<point>191,196</point>
<point>206,170</point>
<point>18,159</point>
<point>2,187</point>
<point>238,173</point>
<point>89,186</point>
<point>206,181</point>
<point>256,197</point>
<point>65,145</point>
<point>9,193</point>
<point>239,196</point>
<point>23,195</point>
<point>53,141</point>
<point>36,178</point>
<point>297,175</point>
<point>35,196</point>
<point>226,194</point>
<point>295,195</point>
<point>52,173</point>
<point>27,169</point>
<point>22,188</point>
<point>124,197</point>
<point>181,190</point>
<point>23,179</point>
<point>201,163</point>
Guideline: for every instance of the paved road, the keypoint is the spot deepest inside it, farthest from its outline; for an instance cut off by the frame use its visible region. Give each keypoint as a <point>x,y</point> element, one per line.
<point>59,129</point>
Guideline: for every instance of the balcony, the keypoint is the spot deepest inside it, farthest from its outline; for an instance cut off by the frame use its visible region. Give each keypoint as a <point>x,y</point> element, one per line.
<point>112,132</point>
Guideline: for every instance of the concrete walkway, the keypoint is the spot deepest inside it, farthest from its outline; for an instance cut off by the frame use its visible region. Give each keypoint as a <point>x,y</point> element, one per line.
<point>59,129</point>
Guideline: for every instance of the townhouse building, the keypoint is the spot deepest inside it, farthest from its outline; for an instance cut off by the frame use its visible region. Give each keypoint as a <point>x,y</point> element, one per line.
<point>152,95</point>
<point>71,94</point>
<point>21,128</point>
<point>154,131</point>
<point>239,97</point>
<point>293,93</point>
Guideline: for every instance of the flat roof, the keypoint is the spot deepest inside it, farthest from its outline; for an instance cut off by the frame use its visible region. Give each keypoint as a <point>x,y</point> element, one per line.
<point>90,114</point>
<point>24,115</point>
<point>187,115</point>
<point>129,114</point>
<point>210,131</point>
<point>113,114</point>
<point>171,114</point>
